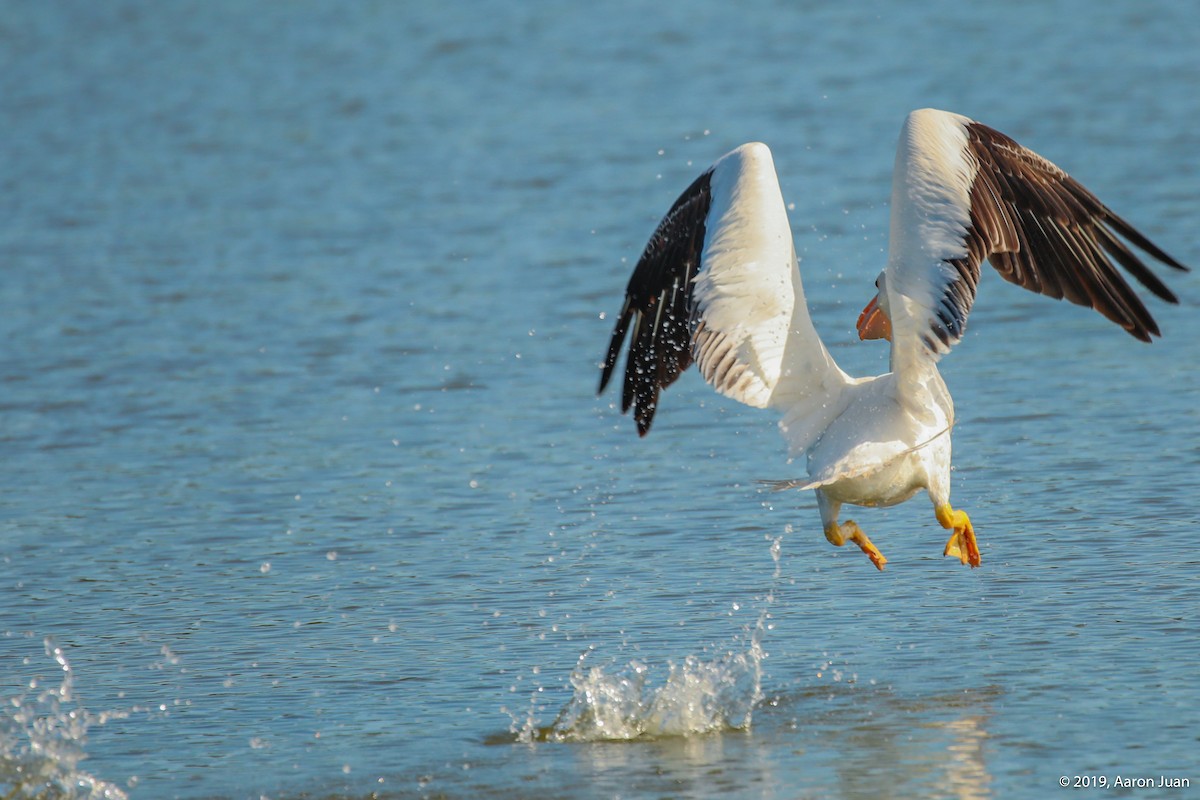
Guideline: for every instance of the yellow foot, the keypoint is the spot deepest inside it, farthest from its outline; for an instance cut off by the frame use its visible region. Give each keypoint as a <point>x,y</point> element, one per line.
<point>849,531</point>
<point>962,544</point>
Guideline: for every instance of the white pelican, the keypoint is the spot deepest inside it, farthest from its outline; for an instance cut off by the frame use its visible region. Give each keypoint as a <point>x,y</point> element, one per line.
<point>719,284</point>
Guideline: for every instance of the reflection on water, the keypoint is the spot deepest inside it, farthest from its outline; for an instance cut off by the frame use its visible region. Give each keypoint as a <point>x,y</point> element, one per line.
<point>857,742</point>
<point>881,745</point>
<point>709,724</point>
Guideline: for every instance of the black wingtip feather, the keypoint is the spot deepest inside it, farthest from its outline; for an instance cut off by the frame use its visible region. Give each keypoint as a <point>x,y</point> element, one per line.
<point>614,346</point>
<point>658,303</point>
<point>1067,239</point>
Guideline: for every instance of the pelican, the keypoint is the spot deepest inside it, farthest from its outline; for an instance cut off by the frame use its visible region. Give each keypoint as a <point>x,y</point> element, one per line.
<point>718,284</point>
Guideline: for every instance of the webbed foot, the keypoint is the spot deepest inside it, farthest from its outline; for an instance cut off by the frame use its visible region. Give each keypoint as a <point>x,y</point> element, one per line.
<point>848,531</point>
<point>962,544</point>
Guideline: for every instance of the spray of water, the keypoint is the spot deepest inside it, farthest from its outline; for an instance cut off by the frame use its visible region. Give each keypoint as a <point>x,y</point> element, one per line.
<point>43,731</point>
<point>698,696</point>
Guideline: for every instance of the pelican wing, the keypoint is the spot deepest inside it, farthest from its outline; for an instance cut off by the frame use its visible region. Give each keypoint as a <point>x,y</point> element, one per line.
<point>963,192</point>
<point>719,284</point>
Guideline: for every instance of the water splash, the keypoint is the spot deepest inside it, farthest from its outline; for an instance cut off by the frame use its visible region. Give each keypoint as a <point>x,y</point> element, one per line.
<point>43,732</point>
<point>698,695</point>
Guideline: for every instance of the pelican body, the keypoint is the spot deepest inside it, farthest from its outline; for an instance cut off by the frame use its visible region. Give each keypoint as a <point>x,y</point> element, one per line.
<point>719,285</point>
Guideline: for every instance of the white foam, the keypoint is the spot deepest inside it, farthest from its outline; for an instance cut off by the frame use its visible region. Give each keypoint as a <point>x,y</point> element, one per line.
<point>42,737</point>
<point>698,696</point>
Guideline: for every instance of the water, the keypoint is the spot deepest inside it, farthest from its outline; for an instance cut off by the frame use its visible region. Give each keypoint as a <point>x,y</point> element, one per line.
<point>307,492</point>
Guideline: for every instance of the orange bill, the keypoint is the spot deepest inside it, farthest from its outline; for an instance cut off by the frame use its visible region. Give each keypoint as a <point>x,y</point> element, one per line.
<point>873,323</point>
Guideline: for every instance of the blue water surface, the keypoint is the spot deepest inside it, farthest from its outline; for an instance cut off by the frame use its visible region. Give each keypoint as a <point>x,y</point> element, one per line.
<point>307,491</point>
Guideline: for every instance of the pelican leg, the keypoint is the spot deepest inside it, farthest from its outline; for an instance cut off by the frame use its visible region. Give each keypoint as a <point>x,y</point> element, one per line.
<point>962,544</point>
<point>840,533</point>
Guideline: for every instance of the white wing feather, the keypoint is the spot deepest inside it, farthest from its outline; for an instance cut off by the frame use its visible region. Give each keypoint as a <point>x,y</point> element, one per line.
<point>755,341</point>
<point>930,218</point>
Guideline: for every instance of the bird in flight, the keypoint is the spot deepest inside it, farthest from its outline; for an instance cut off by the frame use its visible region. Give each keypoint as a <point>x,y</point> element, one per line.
<point>718,284</point>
